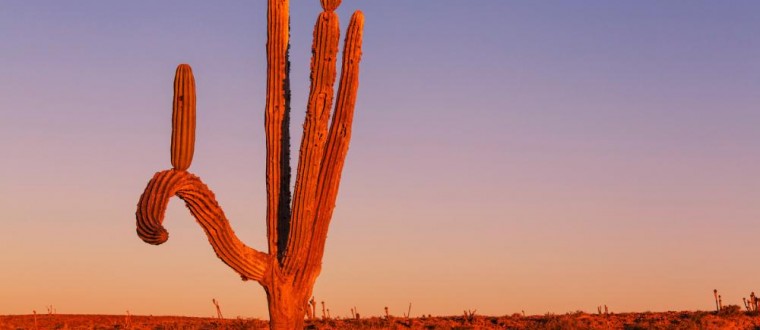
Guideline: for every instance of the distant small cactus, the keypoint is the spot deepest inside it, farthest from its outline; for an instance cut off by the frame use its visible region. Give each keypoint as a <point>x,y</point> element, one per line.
<point>717,302</point>
<point>311,310</point>
<point>218,309</point>
<point>469,315</point>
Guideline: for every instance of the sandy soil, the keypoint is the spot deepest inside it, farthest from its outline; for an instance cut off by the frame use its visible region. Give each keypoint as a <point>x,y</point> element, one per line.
<point>664,320</point>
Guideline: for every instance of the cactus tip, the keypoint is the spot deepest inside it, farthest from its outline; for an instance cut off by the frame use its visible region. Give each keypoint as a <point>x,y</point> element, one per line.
<point>156,238</point>
<point>358,16</point>
<point>330,5</point>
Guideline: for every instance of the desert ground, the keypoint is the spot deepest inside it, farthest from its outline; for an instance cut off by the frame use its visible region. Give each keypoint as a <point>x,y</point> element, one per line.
<point>728,319</point>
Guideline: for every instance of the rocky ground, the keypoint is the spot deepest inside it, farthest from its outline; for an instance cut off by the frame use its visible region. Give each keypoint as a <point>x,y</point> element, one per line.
<point>664,320</point>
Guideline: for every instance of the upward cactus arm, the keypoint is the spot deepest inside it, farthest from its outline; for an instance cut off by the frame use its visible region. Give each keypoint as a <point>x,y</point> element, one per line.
<point>323,72</point>
<point>183,118</point>
<point>330,5</point>
<point>275,114</point>
<point>338,138</point>
<point>247,262</point>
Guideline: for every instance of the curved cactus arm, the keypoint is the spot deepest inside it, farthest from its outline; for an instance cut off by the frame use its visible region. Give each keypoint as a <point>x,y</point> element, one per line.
<point>276,126</point>
<point>323,72</point>
<point>151,208</point>
<point>338,138</point>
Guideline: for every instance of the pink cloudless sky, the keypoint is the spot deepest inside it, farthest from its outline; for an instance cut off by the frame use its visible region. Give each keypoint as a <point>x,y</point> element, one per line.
<point>506,156</point>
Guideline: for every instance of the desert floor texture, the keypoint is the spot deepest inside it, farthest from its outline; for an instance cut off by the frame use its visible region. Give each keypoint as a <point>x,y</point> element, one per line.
<point>577,320</point>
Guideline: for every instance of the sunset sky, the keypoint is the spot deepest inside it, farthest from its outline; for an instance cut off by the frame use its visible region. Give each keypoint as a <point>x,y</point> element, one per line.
<point>543,156</point>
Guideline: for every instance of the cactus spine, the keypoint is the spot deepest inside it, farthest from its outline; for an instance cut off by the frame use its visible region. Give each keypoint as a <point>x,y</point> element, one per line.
<point>296,232</point>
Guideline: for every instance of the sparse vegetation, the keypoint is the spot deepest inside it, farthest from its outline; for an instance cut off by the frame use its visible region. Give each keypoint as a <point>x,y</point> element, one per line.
<point>469,315</point>
<point>574,320</point>
<point>717,303</point>
<point>128,321</point>
<point>728,316</point>
<point>218,309</point>
<point>730,310</point>
<point>751,304</point>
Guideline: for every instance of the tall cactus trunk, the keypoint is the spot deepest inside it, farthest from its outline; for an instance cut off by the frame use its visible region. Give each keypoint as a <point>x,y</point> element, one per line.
<point>296,232</point>
<point>282,315</point>
<point>287,304</point>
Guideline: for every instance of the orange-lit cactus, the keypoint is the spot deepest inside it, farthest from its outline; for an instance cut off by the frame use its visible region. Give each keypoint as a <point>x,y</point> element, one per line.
<point>183,118</point>
<point>296,231</point>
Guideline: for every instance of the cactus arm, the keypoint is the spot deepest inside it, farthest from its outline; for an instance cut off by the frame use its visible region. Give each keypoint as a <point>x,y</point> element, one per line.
<point>183,118</point>
<point>323,72</point>
<point>247,262</point>
<point>330,5</point>
<point>275,121</point>
<point>338,138</point>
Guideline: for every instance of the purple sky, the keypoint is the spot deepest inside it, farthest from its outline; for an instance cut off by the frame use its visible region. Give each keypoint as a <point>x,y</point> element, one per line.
<point>506,156</point>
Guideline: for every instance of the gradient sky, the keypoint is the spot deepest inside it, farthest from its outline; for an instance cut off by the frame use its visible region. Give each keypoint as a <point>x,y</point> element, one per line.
<point>541,156</point>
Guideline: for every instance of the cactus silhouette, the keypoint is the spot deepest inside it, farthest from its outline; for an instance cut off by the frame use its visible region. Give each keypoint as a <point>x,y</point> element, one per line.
<point>296,232</point>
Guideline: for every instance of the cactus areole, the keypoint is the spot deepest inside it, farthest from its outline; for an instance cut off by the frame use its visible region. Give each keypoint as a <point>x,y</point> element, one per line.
<point>296,231</point>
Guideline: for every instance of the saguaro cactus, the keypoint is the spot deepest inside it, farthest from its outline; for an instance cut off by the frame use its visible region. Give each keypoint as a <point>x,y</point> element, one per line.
<point>296,233</point>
